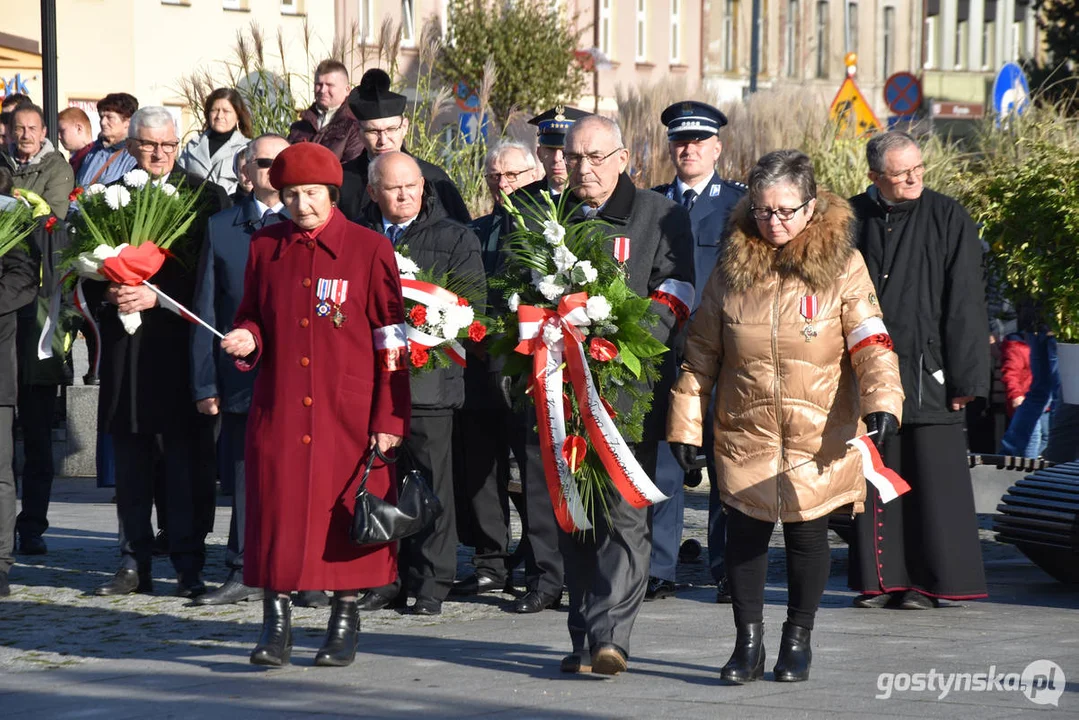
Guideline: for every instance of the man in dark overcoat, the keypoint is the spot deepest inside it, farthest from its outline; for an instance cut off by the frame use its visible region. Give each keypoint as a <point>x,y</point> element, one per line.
<point>607,568</point>
<point>407,211</point>
<point>145,401</point>
<point>383,128</point>
<point>219,387</point>
<point>925,258</point>
<point>695,148</point>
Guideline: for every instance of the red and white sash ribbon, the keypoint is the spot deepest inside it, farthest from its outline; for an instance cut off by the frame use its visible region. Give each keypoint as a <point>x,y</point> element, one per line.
<point>548,354</point>
<point>430,294</point>
<point>390,346</point>
<point>885,480</point>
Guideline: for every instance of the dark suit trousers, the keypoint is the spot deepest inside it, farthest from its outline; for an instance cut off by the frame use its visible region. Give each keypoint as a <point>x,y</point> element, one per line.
<point>607,568</point>
<point>482,487</point>
<point>230,449</point>
<point>539,526</point>
<point>189,495</point>
<point>7,489</point>
<point>37,406</point>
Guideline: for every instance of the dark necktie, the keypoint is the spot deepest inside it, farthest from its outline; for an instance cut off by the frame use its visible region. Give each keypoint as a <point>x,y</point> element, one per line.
<point>268,217</point>
<point>688,198</point>
<point>393,232</point>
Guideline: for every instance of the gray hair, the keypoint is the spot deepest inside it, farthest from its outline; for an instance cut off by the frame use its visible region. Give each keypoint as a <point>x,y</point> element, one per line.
<point>608,124</point>
<point>880,145</point>
<point>783,166</point>
<point>504,146</point>
<point>152,117</point>
<point>374,170</point>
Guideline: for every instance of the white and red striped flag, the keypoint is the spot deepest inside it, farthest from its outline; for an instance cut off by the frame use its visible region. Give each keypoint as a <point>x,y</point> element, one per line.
<point>169,304</point>
<point>886,481</point>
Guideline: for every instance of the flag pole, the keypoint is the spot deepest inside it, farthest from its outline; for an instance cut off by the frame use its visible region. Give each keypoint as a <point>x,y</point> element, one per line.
<point>871,433</point>
<point>184,312</point>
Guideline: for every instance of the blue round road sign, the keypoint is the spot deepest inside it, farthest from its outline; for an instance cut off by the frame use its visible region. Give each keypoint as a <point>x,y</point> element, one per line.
<point>1011,93</point>
<point>902,93</point>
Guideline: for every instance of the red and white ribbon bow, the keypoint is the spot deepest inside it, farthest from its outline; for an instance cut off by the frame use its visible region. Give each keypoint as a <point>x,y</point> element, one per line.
<point>430,294</point>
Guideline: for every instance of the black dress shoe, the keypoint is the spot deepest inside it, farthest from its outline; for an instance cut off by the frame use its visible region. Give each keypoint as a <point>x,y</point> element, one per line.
<point>747,661</point>
<point>232,591</point>
<point>426,606</point>
<point>161,544</point>
<point>577,662</point>
<point>608,659</point>
<point>32,545</point>
<point>914,600</point>
<point>795,655</point>
<point>374,600</point>
<point>723,591</point>
<point>873,600</point>
<point>275,641</point>
<point>477,584</point>
<point>126,581</point>
<point>658,589</point>
<point>342,634</point>
<point>534,602</point>
<point>190,585</point>
<point>5,587</point>
<point>311,599</point>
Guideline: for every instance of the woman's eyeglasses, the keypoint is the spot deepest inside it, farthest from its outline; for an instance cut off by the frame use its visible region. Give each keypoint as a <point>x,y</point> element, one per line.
<point>765,214</point>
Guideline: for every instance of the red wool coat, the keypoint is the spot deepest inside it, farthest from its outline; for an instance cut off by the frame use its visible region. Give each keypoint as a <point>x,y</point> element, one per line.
<point>320,392</point>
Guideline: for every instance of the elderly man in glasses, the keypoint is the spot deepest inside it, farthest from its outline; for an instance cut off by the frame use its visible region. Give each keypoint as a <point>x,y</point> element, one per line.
<point>145,401</point>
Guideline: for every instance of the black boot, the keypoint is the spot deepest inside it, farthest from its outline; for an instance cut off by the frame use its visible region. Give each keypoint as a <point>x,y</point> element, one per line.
<point>747,660</point>
<point>342,633</point>
<point>795,655</point>
<point>275,642</point>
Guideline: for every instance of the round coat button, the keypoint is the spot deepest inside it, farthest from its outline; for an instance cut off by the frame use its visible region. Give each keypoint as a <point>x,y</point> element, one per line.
<point>305,361</point>
<point>307,403</point>
<point>304,322</point>
<point>307,282</point>
<point>310,244</point>
<point>306,439</point>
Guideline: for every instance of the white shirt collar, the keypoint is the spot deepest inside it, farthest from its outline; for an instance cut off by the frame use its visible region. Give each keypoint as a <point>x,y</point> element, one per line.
<point>386,224</point>
<point>263,207</point>
<point>324,118</point>
<point>680,188</point>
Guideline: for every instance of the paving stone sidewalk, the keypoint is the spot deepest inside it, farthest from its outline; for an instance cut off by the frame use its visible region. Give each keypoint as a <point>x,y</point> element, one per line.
<point>67,654</point>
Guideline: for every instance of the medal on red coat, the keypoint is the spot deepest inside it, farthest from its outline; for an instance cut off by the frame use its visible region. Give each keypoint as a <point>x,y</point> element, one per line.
<point>322,292</point>
<point>808,308</point>
<point>338,293</point>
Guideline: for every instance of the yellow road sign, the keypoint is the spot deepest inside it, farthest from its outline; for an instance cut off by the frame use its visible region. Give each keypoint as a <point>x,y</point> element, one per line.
<point>850,108</point>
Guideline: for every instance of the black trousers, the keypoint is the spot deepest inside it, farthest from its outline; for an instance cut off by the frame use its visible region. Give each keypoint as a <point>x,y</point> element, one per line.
<point>539,527</point>
<point>189,494</point>
<point>230,451</point>
<point>7,489</point>
<point>37,408</point>
<point>607,567</point>
<point>808,564</point>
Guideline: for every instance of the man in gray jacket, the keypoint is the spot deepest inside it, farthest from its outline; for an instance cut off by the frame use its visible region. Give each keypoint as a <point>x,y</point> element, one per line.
<point>34,162</point>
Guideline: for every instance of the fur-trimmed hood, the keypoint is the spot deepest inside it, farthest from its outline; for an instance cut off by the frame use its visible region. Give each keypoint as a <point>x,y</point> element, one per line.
<point>817,255</point>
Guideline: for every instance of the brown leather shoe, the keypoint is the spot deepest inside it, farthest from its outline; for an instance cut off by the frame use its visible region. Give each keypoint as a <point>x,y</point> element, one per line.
<point>608,659</point>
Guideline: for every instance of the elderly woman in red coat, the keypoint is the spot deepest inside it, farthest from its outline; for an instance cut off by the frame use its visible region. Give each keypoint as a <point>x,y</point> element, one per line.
<point>323,320</point>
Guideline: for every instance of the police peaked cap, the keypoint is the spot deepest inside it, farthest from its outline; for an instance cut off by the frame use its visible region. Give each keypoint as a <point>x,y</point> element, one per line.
<point>692,120</point>
<point>372,99</point>
<point>555,123</point>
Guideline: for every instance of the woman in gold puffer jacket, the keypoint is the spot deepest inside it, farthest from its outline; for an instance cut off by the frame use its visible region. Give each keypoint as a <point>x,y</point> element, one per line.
<point>790,334</point>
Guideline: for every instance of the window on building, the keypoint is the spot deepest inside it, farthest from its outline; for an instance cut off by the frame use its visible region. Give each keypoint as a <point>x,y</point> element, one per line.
<point>676,31</point>
<point>930,39</point>
<point>852,27</point>
<point>291,7</point>
<point>989,35</point>
<point>605,13</point>
<point>730,27</point>
<point>790,40</point>
<point>233,4</point>
<point>365,21</point>
<point>642,31</point>
<point>888,51</point>
<point>408,23</point>
<point>962,35</point>
<point>822,39</point>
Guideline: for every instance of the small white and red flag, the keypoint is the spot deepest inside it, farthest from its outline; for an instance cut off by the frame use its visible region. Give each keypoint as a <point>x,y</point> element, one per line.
<point>621,249</point>
<point>169,304</point>
<point>886,481</point>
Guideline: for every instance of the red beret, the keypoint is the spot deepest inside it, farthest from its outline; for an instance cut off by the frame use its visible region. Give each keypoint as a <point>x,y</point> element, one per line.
<point>306,163</point>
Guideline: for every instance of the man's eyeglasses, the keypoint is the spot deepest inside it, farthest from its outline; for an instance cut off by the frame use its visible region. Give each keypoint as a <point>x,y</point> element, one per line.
<point>765,214</point>
<point>594,159</point>
<point>916,171</point>
<point>377,133</point>
<point>263,163</point>
<point>508,175</point>
<point>149,146</point>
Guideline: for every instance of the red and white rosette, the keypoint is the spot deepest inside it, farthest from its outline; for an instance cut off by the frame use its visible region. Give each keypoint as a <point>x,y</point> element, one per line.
<point>429,294</point>
<point>554,341</point>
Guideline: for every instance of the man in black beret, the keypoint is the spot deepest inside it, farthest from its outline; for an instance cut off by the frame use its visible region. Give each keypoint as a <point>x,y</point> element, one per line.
<point>383,127</point>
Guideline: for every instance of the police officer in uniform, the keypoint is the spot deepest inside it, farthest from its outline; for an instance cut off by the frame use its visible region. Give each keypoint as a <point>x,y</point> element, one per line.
<point>695,148</point>
<point>552,127</point>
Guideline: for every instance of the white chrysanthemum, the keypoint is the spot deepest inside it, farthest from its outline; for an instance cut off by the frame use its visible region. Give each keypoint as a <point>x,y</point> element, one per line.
<point>136,178</point>
<point>552,334</point>
<point>597,308</point>
<point>435,315</point>
<point>563,259</point>
<point>456,318</point>
<point>170,190</point>
<point>117,196</point>
<point>550,288</point>
<point>553,233</point>
<point>514,302</point>
<point>95,189</point>
<point>406,267</point>
<point>583,273</point>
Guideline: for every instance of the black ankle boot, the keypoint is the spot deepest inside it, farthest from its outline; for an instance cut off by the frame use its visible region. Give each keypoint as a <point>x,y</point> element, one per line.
<point>795,655</point>
<point>342,633</point>
<point>747,660</point>
<point>275,642</point>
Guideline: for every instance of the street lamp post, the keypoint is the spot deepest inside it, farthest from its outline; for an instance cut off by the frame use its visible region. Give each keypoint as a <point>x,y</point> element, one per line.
<point>48,67</point>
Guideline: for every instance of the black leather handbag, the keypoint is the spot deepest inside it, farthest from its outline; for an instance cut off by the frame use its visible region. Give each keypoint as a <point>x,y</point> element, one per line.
<point>377,521</point>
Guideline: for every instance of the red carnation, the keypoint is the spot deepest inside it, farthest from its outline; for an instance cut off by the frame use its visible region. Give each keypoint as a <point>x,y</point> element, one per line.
<point>75,194</point>
<point>476,331</point>
<point>419,356</point>
<point>418,315</point>
<point>50,223</point>
<point>602,350</point>
<point>462,301</point>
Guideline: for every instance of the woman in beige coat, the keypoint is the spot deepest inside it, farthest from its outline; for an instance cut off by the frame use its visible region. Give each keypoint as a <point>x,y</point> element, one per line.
<point>790,334</point>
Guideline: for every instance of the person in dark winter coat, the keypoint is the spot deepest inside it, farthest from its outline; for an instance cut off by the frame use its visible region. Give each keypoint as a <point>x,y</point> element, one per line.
<point>406,211</point>
<point>383,127</point>
<point>925,259</point>
<point>329,122</point>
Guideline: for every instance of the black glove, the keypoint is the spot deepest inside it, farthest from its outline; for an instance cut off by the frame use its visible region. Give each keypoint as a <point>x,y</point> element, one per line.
<point>884,423</point>
<point>686,456</point>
